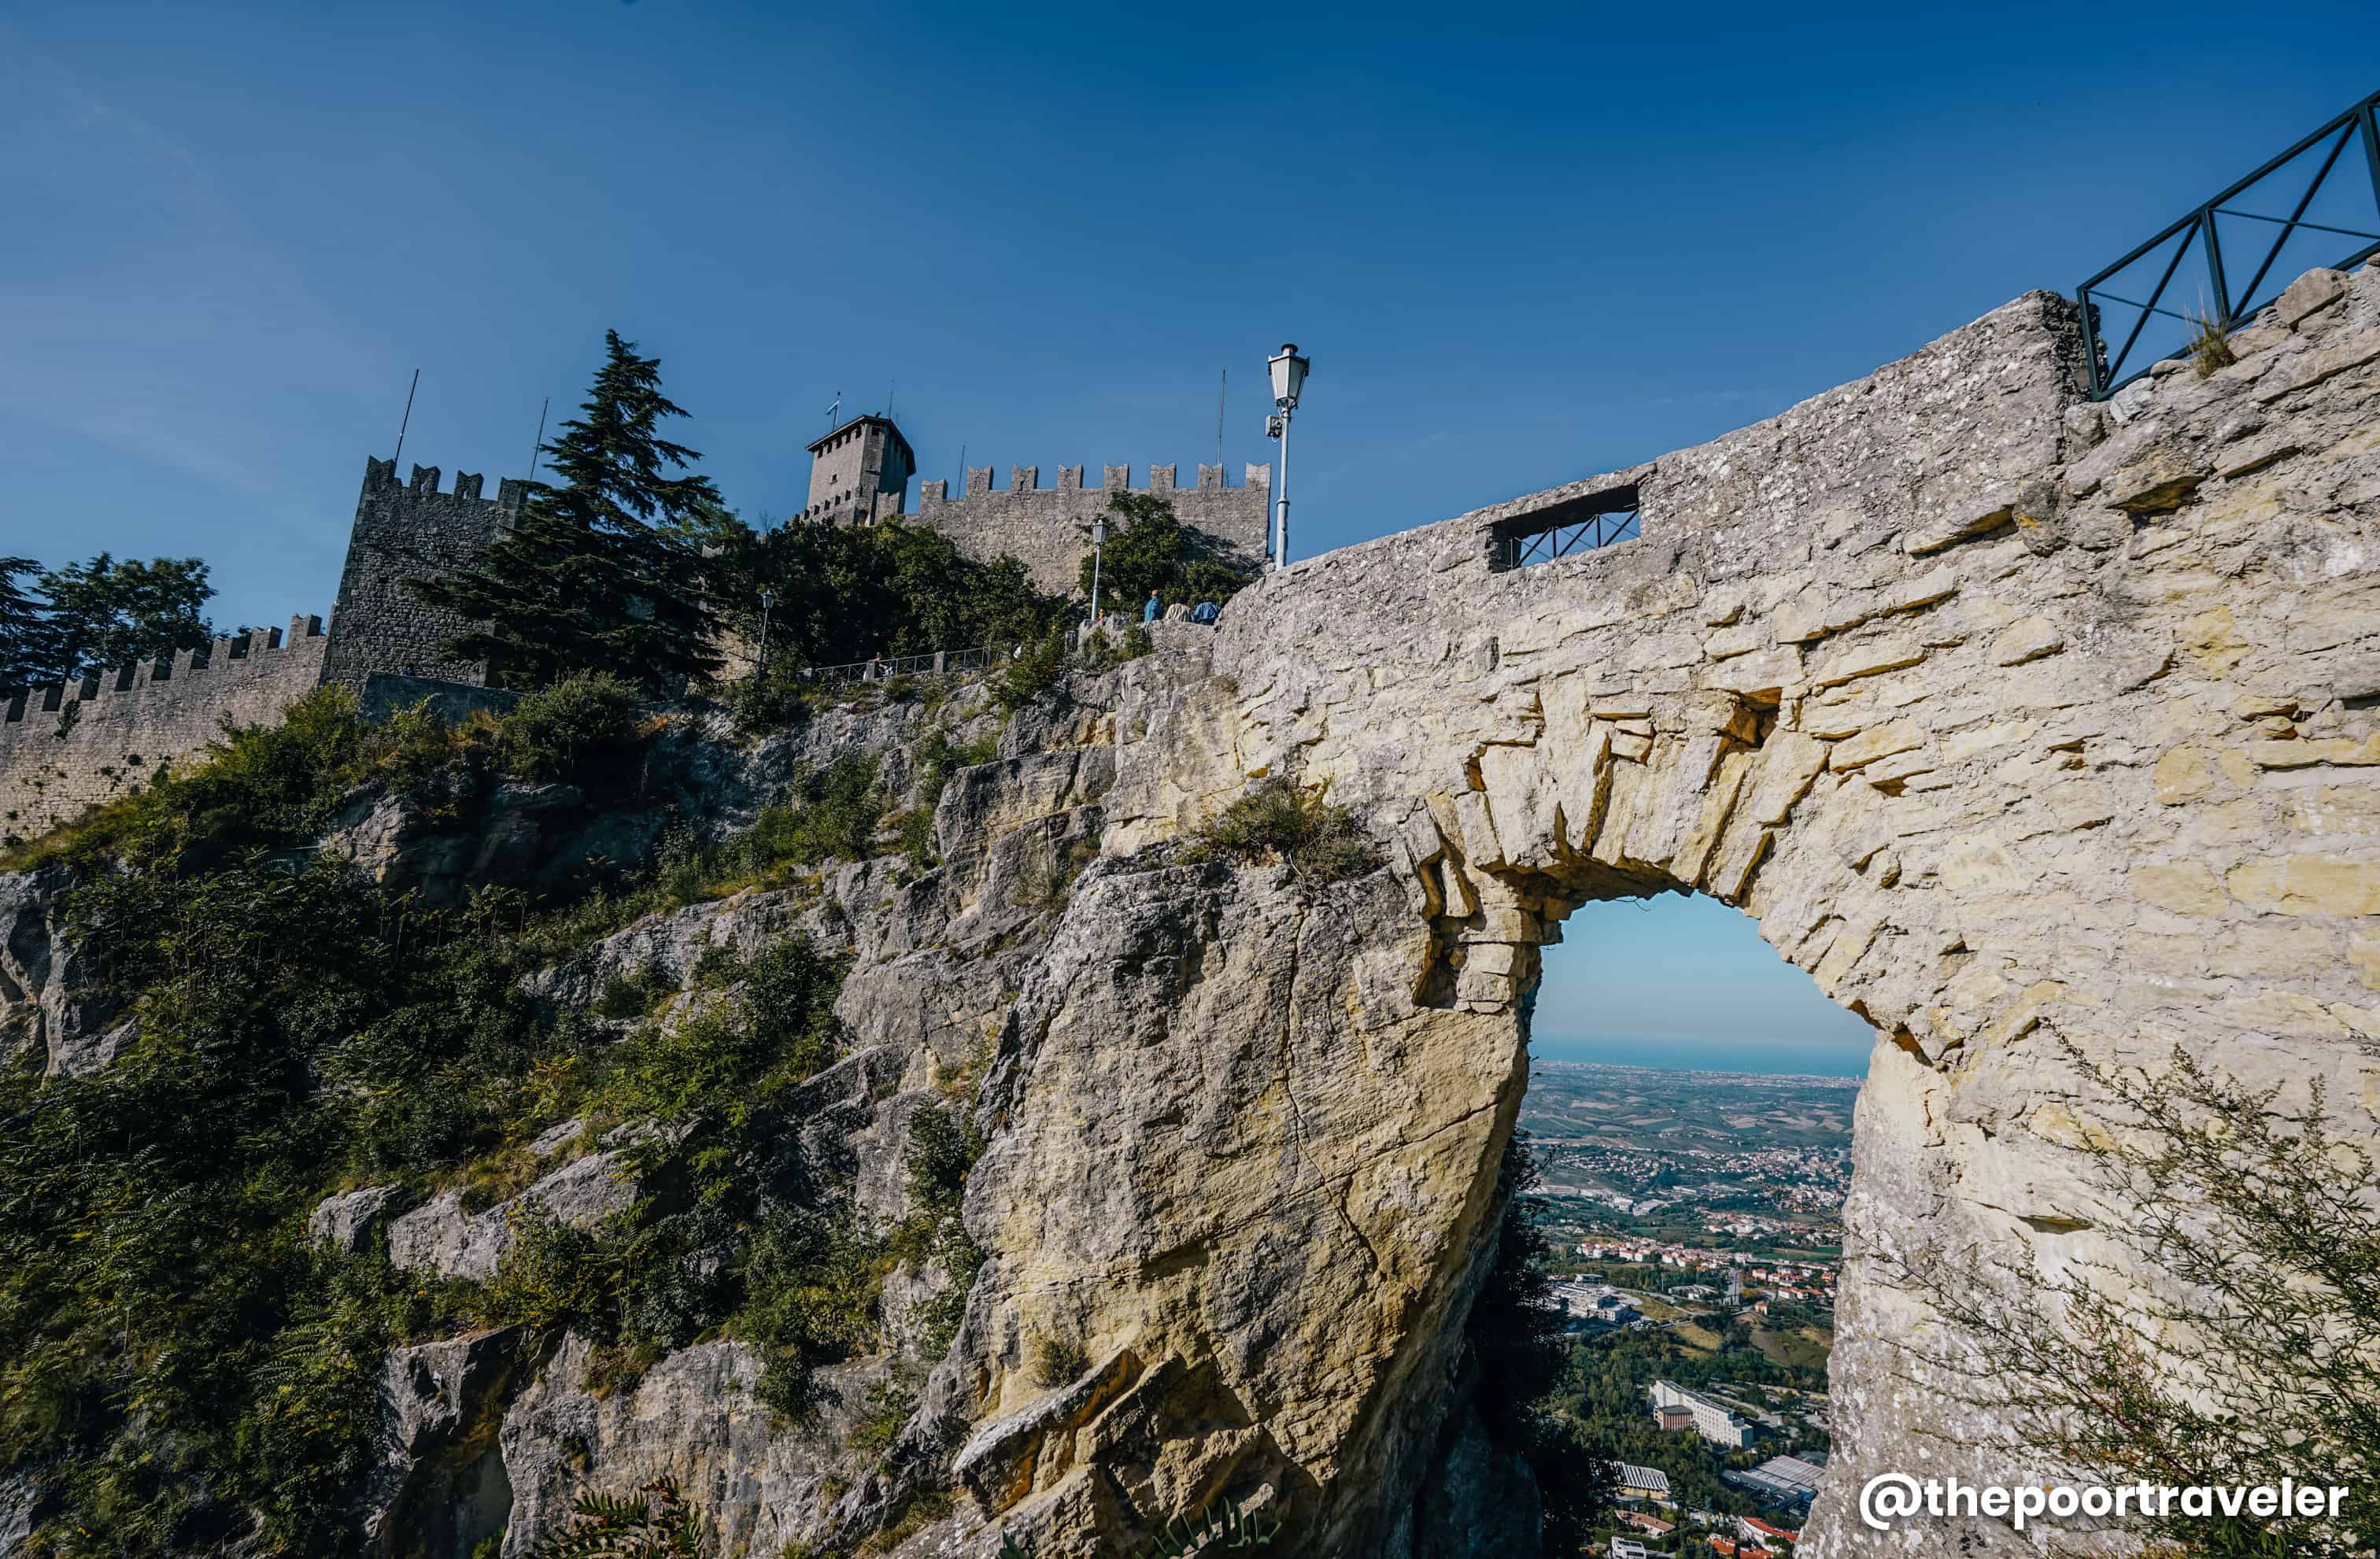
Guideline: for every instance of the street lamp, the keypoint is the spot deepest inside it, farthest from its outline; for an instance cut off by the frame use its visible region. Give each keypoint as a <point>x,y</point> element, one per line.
<point>1288,378</point>
<point>1098,545</point>
<point>768,599</point>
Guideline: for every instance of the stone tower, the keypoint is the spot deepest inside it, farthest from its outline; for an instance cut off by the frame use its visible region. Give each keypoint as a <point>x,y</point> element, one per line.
<point>859,472</point>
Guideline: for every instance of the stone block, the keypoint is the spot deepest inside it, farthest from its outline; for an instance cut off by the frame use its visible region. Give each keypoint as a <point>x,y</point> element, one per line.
<point>2309,294</point>
<point>2186,887</point>
<point>2028,638</point>
<point>2308,885</point>
<point>1877,741</point>
<point>1891,652</point>
<point>2183,774</point>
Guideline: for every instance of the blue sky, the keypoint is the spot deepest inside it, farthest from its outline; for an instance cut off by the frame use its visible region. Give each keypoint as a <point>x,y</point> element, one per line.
<point>1520,245</point>
<point>1678,982</point>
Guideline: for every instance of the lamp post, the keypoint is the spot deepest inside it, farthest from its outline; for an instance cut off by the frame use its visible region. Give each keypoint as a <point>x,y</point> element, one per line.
<point>1098,545</point>
<point>1288,378</point>
<point>768,599</point>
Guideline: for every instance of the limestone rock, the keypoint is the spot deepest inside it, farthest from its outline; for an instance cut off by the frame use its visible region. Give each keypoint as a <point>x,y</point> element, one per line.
<point>346,1222</point>
<point>439,1486</point>
<point>47,1005</point>
<point>440,1236</point>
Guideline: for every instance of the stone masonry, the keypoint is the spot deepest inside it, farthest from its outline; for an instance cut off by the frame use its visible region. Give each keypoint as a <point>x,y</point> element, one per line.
<point>2017,720</point>
<point>859,472</point>
<point>405,531</point>
<point>68,747</point>
<point>63,748</point>
<point>1047,529</point>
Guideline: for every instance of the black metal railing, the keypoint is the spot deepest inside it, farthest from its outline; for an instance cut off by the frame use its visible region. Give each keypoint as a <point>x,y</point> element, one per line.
<point>1577,526</point>
<point>2338,200</point>
<point>945,663</point>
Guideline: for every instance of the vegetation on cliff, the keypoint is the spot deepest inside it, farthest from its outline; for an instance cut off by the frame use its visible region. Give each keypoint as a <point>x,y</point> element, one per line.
<point>181,1368</point>
<point>1285,823</point>
<point>2262,1363</point>
<point>1150,550</point>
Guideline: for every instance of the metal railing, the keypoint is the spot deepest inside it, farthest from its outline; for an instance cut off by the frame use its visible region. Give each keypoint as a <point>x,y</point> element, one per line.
<point>2222,305</point>
<point>1572,526</point>
<point>1562,540</point>
<point>942,663</point>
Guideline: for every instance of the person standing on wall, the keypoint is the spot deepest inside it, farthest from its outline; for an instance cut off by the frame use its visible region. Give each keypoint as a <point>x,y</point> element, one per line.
<point>1151,609</point>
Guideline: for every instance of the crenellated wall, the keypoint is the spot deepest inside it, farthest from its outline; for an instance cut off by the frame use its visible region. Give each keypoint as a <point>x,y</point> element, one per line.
<point>65,747</point>
<point>1046,528</point>
<point>404,531</point>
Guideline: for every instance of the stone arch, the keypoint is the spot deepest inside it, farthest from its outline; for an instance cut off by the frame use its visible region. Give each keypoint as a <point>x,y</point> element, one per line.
<point>2017,720</point>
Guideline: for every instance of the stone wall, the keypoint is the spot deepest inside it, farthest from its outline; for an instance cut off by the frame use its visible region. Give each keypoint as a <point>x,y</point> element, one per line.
<point>64,748</point>
<point>405,531</point>
<point>2018,721</point>
<point>1046,528</point>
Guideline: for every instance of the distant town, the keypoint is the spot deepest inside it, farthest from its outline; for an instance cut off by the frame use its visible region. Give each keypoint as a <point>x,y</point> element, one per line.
<point>1693,1222</point>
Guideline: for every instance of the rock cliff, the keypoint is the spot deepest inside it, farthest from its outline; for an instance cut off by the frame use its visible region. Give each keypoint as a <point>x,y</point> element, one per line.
<point>2020,723</point>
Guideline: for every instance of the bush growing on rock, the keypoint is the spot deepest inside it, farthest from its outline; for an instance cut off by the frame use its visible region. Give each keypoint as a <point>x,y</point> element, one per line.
<point>1036,671</point>
<point>582,728</point>
<point>2262,1363</point>
<point>1282,822</point>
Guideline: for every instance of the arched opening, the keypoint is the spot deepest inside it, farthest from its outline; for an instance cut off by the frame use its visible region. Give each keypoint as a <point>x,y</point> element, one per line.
<point>1687,1130</point>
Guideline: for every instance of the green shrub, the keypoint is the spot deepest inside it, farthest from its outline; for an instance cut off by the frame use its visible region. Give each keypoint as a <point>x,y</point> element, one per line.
<point>1057,1363</point>
<point>916,829</point>
<point>2210,347</point>
<point>939,757</point>
<point>582,727</point>
<point>942,1151</point>
<point>1279,821</point>
<point>889,1406</point>
<point>1034,672</point>
<point>419,750</point>
<point>655,1523</point>
<point>812,1284</point>
<point>778,701</point>
<point>833,815</point>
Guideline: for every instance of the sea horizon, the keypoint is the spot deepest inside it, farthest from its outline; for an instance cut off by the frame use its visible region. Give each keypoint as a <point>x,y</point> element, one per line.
<point>1758,1057</point>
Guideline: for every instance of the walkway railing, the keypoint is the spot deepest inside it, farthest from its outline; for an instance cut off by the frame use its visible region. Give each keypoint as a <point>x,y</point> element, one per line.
<point>2329,186</point>
<point>942,663</point>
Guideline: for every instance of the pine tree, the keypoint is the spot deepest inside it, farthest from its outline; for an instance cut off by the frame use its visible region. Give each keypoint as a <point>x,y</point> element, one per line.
<point>25,653</point>
<point>602,572</point>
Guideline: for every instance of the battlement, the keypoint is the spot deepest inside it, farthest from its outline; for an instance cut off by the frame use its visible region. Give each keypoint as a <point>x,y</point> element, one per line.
<point>184,668</point>
<point>1113,478</point>
<point>1047,527</point>
<point>66,745</point>
<point>381,481</point>
<point>407,531</point>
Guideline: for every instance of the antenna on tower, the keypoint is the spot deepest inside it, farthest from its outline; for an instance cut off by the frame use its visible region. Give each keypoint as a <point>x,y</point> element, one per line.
<point>895,384</point>
<point>834,412</point>
<point>538,445</point>
<point>1221,391</point>
<point>407,423</point>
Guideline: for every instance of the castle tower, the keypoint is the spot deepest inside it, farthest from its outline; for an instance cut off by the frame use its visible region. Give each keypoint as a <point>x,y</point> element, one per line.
<point>860,472</point>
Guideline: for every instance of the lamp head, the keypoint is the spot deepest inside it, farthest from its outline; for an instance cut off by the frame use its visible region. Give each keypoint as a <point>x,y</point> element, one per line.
<point>1288,375</point>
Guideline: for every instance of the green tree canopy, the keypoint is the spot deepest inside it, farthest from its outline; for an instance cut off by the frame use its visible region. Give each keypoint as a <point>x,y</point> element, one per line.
<point>844,593</point>
<point>604,570</point>
<point>101,614</point>
<point>1149,548</point>
<point>24,628</point>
